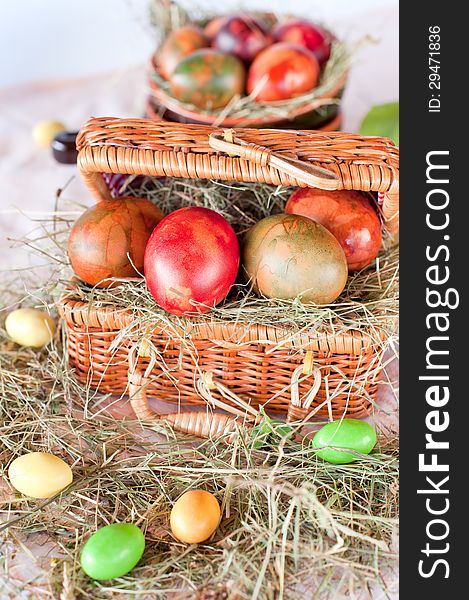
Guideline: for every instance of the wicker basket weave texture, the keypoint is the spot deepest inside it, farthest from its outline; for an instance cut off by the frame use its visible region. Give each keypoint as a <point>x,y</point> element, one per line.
<point>255,361</point>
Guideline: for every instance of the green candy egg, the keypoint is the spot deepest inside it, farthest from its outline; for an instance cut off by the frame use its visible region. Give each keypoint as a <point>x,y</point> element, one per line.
<point>208,79</point>
<point>112,551</point>
<point>350,434</point>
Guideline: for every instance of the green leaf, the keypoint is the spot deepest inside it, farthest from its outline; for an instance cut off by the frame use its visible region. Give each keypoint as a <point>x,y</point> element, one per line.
<point>260,434</point>
<point>269,432</point>
<point>382,120</point>
<point>280,429</point>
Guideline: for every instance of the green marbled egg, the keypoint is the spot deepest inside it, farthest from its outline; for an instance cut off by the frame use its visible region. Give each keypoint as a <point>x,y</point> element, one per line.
<point>208,79</point>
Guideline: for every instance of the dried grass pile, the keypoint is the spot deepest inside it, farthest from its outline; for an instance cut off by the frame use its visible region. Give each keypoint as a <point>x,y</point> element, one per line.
<point>293,526</point>
<point>289,518</point>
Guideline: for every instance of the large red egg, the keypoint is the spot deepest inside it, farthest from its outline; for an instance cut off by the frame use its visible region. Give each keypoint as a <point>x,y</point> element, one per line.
<point>191,260</point>
<point>105,235</point>
<point>243,37</point>
<point>348,215</point>
<point>179,44</point>
<point>306,34</point>
<point>282,71</point>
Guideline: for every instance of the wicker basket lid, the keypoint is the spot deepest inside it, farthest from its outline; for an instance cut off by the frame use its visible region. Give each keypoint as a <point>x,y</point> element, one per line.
<point>334,160</point>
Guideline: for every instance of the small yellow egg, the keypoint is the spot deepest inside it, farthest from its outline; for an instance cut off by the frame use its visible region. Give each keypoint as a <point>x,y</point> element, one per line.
<point>39,474</point>
<point>45,131</point>
<point>30,327</point>
<point>195,516</point>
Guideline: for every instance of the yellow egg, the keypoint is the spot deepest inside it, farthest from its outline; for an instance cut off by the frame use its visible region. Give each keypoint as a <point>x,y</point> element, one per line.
<point>39,474</point>
<point>45,131</point>
<point>195,516</point>
<point>30,327</point>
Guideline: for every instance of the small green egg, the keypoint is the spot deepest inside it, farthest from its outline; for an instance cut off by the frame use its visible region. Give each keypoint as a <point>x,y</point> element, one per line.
<point>350,434</point>
<point>112,551</point>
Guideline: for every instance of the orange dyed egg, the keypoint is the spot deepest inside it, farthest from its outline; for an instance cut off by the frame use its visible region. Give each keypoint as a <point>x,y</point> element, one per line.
<point>282,71</point>
<point>107,234</point>
<point>179,44</point>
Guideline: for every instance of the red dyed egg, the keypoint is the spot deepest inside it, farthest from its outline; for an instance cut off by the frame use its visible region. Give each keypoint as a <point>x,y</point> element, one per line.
<point>306,34</point>
<point>179,44</point>
<point>243,37</point>
<point>105,235</point>
<point>192,259</point>
<point>348,215</point>
<point>282,71</point>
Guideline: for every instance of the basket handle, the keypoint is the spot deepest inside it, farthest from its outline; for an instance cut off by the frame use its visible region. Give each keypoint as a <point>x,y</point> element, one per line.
<point>204,424</point>
<point>307,173</point>
<point>208,424</point>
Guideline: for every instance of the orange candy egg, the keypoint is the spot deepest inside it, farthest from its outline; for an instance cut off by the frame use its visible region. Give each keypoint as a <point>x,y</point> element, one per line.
<point>195,516</point>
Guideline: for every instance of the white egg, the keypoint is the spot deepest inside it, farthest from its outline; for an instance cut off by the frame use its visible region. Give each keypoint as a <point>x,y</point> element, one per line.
<point>30,327</point>
<point>45,131</point>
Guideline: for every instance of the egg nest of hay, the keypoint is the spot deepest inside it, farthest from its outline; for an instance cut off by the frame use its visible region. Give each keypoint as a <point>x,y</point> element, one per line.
<point>246,107</point>
<point>368,303</point>
<point>291,522</point>
<point>333,72</point>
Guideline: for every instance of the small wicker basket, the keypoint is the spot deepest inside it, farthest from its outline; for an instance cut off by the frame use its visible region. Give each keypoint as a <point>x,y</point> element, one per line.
<point>308,119</point>
<point>237,365</point>
<point>319,111</point>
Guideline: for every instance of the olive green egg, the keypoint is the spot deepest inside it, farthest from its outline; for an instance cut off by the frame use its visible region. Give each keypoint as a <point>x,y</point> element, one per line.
<point>208,79</point>
<point>289,256</point>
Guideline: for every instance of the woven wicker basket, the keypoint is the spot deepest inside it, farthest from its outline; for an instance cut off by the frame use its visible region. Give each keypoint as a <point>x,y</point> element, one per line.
<point>311,113</point>
<point>321,113</point>
<point>238,365</point>
<point>307,120</point>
